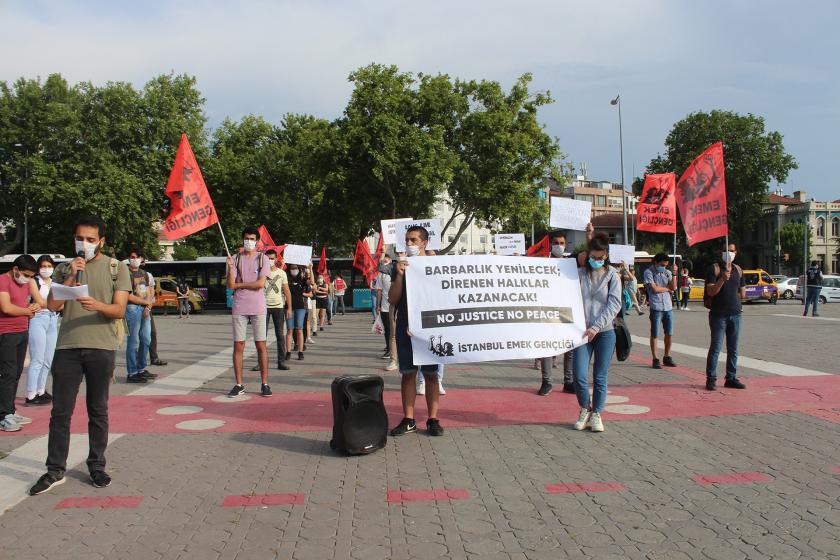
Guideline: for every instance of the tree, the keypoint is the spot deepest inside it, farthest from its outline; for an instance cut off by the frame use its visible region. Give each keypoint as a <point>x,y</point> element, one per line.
<point>793,241</point>
<point>753,158</point>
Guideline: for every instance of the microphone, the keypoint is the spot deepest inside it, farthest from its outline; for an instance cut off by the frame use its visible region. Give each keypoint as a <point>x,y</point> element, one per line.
<point>79,272</point>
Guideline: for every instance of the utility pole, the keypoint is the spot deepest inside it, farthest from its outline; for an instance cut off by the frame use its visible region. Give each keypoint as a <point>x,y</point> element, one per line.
<point>617,101</point>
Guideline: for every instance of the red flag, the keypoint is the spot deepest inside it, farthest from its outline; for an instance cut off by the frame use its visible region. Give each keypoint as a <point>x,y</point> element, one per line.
<point>191,207</point>
<point>701,197</point>
<point>362,257</point>
<point>657,208</point>
<point>322,264</point>
<point>265,241</point>
<point>541,249</point>
<point>378,254</point>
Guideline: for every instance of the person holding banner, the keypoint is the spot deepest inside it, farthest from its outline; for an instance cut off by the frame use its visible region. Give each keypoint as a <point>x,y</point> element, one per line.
<point>299,291</point>
<point>725,288</point>
<point>661,283</point>
<point>416,239</point>
<point>601,289</point>
<point>246,276</point>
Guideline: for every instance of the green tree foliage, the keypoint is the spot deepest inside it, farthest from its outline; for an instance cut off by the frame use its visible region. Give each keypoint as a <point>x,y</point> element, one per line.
<point>792,237</point>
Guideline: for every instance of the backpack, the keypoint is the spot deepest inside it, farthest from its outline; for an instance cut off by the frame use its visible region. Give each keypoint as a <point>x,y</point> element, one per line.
<point>623,339</point>
<point>707,299</point>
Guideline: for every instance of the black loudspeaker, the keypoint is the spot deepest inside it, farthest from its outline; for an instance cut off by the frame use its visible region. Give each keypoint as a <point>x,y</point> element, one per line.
<point>360,423</point>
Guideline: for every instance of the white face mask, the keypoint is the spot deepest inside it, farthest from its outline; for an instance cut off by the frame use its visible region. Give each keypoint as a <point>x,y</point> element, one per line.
<point>21,279</point>
<point>90,249</point>
<point>273,262</point>
<point>412,250</point>
<point>727,256</point>
<point>558,250</point>
<point>135,262</point>
<point>294,272</point>
<point>46,272</point>
<point>249,244</point>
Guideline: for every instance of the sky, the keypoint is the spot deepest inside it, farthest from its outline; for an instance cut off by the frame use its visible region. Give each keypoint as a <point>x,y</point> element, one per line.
<point>666,58</point>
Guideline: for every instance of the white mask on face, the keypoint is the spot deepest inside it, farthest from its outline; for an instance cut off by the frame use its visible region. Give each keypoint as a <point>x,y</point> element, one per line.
<point>21,279</point>
<point>558,250</point>
<point>135,262</point>
<point>46,272</point>
<point>272,261</point>
<point>294,272</point>
<point>90,249</point>
<point>249,244</point>
<point>727,256</point>
<point>412,250</point>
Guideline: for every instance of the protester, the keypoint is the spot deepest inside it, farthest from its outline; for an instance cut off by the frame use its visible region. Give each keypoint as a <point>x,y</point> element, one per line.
<point>685,289</point>
<point>322,293</point>
<point>813,284</point>
<point>633,289</point>
<point>154,359</point>
<point>340,287</point>
<point>15,313</point>
<point>43,333</point>
<point>384,281</point>
<point>330,297</point>
<point>726,288</point>
<point>182,290</point>
<point>88,338</point>
<point>299,291</point>
<point>246,276</point>
<point>375,294</point>
<point>311,308</point>
<point>138,320</point>
<point>416,239</point>
<point>278,301</point>
<point>660,284</point>
<point>601,292</point>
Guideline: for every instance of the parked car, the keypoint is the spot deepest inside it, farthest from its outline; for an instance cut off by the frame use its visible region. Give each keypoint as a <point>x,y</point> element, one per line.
<point>760,286</point>
<point>786,286</point>
<point>830,290</point>
<point>167,298</point>
<point>698,286</point>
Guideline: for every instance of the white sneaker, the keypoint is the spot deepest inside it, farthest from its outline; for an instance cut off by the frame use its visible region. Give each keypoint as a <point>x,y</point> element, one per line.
<point>583,420</point>
<point>8,424</point>
<point>441,390</point>
<point>596,423</point>
<point>392,365</point>
<point>685,309</point>
<point>21,420</point>
<point>421,384</point>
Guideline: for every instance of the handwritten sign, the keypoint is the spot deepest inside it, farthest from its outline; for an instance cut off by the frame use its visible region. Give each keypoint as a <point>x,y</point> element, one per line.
<point>567,213</point>
<point>389,230</point>
<point>622,254</point>
<point>298,254</point>
<point>432,226</point>
<point>510,243</point>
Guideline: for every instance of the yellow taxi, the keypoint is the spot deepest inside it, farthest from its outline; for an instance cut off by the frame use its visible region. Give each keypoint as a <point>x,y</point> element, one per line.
<point>166,296</point>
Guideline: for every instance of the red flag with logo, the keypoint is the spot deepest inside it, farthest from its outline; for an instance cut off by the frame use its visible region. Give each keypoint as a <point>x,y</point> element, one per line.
<point>378,254</point>
<point>191,207</point>
<point>657,207</point>
<point>541,249</point>
<point>701,197</point>
<point>362,257</point>
<point>265,241</point>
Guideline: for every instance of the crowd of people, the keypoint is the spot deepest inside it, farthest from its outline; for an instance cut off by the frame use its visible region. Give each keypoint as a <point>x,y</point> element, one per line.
<point>300,303</point>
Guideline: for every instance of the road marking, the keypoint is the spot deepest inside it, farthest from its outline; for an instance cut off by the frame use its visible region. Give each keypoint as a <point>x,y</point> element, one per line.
<point>743,361</point>
<point>804,317</point>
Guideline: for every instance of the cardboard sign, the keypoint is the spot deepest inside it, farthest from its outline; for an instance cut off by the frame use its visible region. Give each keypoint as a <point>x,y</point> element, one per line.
<point>433,226</point>
<point>389,230</point>
<point>298,254</point>
<point>622,254</point>
<point>567,213</point>
<point>510,244</point>
<point>481,308</point>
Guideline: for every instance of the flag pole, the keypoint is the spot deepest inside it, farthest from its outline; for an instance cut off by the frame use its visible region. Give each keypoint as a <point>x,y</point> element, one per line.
<point>223,238</point>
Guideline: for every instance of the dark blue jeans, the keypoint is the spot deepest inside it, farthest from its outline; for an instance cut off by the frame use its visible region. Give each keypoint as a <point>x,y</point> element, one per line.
<point>812,299</point>
<point>720,326</point>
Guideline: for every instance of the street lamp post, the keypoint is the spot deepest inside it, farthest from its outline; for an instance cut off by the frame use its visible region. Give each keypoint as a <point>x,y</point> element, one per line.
<point>617,101</point>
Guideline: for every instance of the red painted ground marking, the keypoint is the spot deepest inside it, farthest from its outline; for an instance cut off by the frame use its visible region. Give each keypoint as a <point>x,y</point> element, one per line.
<point>465,408</point>
<point>263,500</point>
<point>579,487</point>
<point>731,478</point>
<point>830,415</point>
<point>105,502</point>
<point>438,495</point>
<point>835,470</point>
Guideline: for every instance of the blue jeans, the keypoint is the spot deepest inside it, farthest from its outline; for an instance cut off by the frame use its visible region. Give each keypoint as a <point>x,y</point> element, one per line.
<point>664,317</point>
<point>43,332</point>
<point>139,338</point>
<point>373,304</point>
<point>720,325</point>
<point>812,299</point>
<point>602,346</point>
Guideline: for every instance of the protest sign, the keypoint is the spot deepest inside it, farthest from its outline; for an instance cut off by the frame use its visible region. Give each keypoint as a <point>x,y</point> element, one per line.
<point>567,213</point>
<point>510,243</point>
<point>622,254</point>
<point>432,226</point>
<point>701,197</point>
<point>657,207</point>
<point>389,230</point>
<point>298,254</point>
<point>481,308</point>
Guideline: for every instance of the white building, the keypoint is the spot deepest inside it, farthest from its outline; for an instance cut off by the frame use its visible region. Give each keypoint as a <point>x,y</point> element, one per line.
<point>474,241</point>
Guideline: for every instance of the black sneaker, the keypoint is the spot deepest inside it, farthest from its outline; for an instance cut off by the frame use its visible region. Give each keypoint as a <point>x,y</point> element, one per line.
<point>734,384</point>
<point>569,388</point>
<point>100,479</point>
<point>284,367</point>
<point>288,356</point>
<point>45,483</point>
<point>265,391</point>
<point>545,388</point>
<point>710,384</point>
<point>148,374</point>
<point>669,361</point>
<point>159,362</point>
<point>236,391</point>
<point>405,426</point>
<point>655,364</point>
<point>46,397</point>
<point>256,368</point>
<point>322,328</point>
<point>433,427</point>
<point>136,379</point>
<point>35,401</point>
<point>385,356</point>
<point>300,355</point>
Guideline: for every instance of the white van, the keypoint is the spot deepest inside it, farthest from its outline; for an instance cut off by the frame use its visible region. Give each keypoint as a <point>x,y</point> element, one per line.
<point>830,289</point>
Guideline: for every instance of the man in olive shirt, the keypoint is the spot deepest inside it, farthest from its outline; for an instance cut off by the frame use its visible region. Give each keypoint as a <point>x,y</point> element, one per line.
<point>87,342</point>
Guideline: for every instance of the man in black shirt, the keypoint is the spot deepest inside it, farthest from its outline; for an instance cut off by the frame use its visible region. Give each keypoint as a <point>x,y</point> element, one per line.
<point>813,284</point>
<point>725,288</point>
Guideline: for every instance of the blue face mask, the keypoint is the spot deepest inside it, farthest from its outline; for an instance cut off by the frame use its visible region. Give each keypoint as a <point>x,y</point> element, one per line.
<point>660,269</point>
<point>595,264</point>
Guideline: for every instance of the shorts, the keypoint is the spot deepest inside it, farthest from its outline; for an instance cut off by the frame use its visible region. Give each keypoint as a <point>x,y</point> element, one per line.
<point>320,303</point>
<point>240,327</point>
<point>405,356</point>
<point>296,320</point>
<point>667,319</point>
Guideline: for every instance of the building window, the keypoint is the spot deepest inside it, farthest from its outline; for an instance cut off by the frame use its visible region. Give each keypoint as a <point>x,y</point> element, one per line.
<point>600,200</point>
<point>586,197</point>
<point>820,227</point>
<point>482,239</point>
<point>451,238</point>
<point>463,238</point>
<point>835,227</point>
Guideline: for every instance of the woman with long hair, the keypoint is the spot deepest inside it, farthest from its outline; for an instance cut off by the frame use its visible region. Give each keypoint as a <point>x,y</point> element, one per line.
<point>300,290</point>
<point>43,333</point>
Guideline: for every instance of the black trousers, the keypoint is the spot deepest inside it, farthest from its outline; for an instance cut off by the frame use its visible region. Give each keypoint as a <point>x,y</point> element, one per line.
<point>277,315</point>
<point>69,367</point>
<point>386,324</point>
<point>153,356</point>
<point>12,355</point>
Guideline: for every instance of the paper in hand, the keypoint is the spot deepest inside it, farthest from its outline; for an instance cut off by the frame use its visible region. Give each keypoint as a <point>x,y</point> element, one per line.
<point>60,292</point>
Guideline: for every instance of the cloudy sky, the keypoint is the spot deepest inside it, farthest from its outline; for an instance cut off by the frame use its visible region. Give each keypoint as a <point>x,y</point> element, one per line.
<point>667,58</point>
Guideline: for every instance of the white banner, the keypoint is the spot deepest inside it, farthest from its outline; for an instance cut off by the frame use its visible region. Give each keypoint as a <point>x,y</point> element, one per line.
<point>510,243</point>
<point>297,254</point>
<point>481,308</point>
<point>432,226</point>
<point>622,254</point>
<point>567,213</point>
<point>389,230</point>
